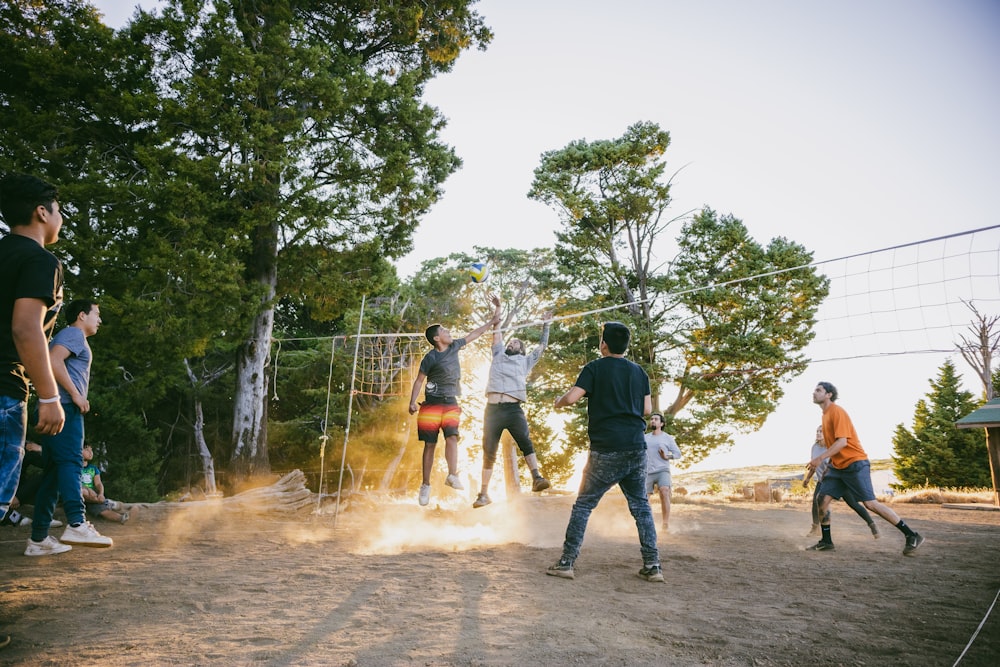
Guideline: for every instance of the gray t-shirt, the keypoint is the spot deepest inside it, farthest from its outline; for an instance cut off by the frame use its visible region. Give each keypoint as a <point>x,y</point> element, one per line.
<point>443,371</point>
<point>78,361</point>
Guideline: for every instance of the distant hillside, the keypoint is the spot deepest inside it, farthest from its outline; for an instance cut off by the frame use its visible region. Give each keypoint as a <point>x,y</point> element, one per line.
<point>731,478</point>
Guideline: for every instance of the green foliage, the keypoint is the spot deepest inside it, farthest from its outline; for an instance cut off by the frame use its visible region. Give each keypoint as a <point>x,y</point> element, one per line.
<point>934,452</point>
<point>722,325</point>
<point>219,161</point>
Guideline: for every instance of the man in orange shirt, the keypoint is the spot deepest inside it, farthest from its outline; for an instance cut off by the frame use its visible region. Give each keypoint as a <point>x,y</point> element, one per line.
<point>849,471</point>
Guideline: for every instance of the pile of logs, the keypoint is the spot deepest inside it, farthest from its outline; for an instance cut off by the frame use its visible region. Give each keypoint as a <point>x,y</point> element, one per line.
<point>288,494</point>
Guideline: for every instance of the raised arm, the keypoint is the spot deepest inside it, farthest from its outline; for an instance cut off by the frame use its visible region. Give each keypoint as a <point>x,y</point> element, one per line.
<point>479,331</point>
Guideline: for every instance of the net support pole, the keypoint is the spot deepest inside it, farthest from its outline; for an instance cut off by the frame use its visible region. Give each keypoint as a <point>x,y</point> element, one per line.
<point>350,405</point>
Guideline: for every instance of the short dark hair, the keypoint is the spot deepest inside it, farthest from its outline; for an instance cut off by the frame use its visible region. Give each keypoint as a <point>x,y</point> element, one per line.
<point>656,414</point>
<point>77,306</point>
<point>617,336</point>
<point>828,388</point>
<point>21,194</point>
<point>432,331</point>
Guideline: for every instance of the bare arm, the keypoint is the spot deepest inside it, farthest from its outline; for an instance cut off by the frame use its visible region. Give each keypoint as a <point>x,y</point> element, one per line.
<point>58,356</point>
<point>570,397</point>
<point>33,350</point>
<point>493,321</point>
<point>415,392</point>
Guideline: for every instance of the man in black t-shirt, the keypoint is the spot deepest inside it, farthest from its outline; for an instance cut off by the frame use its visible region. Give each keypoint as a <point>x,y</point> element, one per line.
<point>618,398</point>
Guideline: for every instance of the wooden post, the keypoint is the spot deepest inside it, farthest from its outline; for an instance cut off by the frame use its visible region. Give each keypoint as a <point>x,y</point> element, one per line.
<point>993,446</point>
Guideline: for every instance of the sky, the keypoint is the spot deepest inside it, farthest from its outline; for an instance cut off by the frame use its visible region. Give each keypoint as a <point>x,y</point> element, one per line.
<point>846,127</point>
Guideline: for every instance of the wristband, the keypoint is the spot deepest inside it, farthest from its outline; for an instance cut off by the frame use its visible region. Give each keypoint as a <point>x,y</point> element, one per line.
<point>49,400</point>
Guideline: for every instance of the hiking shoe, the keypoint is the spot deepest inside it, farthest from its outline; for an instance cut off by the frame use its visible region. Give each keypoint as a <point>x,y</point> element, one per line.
<point>47,547</point>
<point>482,500</point>
<point>85,535</point>
<point>913,542</point>
<point>872,527</point>
<point>821,546</point>
<point>563,569</point>
<point>540,484</point>
<point>651,573</point>
<point>425,494</point>
<point>454,482</point>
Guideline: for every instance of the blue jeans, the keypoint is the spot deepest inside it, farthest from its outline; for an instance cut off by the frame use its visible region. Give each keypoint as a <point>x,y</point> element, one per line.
<point>604,470</point>
<point>13,425</point>
<point>62,457</point>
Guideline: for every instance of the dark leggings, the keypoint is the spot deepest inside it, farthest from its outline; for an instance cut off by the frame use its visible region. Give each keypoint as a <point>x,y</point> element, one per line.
<point>861,510</point>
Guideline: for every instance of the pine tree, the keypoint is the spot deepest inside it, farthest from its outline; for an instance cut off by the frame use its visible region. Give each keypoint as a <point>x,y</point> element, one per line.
<point>935,452</point>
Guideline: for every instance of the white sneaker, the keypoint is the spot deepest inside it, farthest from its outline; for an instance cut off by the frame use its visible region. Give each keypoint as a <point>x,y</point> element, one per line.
<point>454,482</point>
<point>85,535</point>
<point>425,494</point>
<point>26,521</point>
<point>46,547</point>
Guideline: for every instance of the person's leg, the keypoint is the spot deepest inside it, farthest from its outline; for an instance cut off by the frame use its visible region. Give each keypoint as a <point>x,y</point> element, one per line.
<point>665,506</point>
<point>428,425</point>
<point>428,462</point>
<point>63,460</point>
<point>450,418</point>
<point>517,425</point>
<point>633,485</point>
<point>13,424</point>
<point>815,507</point>
<point>492,429</point>
<point>599,475</point>
<point>862,512</point>
<point>451,453</point>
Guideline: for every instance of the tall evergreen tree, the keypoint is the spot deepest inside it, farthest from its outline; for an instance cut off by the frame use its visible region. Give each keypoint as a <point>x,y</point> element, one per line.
<point>934,452</point>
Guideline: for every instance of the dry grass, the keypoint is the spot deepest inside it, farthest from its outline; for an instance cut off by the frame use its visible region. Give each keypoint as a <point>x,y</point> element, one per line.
<point>937,496</point>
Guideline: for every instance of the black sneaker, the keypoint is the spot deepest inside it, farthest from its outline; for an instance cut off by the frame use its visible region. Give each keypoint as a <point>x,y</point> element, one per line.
<point>821,546</point>
<point>563,569</point>
<point>540,484</point>
<point>913,542</point>
<point>874,530</point>
<point>651,573</point>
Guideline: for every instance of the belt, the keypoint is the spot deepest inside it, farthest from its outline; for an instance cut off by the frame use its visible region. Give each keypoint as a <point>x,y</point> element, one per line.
<point>497,397</point>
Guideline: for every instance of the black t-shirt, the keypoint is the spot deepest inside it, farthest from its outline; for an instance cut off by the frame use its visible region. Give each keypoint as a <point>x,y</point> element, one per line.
<point>27,270</point>
<point>616,399</point>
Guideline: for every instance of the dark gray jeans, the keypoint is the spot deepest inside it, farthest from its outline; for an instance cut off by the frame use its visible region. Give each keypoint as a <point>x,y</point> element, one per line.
<point>604,470</point>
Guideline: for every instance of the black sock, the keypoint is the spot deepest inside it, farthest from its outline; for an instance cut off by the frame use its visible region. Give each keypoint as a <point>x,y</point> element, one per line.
<point>535,474</point>
<point>904,529</point>
<point>826,534</point>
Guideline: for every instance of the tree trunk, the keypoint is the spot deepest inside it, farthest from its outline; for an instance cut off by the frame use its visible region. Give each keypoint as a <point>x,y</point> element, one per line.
<point>250,398</point>
<point>207,462</point>
<point>390,471</point>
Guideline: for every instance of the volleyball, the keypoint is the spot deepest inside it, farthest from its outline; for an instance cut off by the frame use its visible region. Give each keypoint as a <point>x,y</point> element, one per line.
<point>479,272</point>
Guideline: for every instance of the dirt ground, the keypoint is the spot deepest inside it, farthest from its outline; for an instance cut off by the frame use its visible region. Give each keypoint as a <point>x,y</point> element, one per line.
<point>201,584</point>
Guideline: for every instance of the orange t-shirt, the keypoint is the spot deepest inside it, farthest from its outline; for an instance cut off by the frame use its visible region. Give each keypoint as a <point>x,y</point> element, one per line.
<point>837,424</point>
